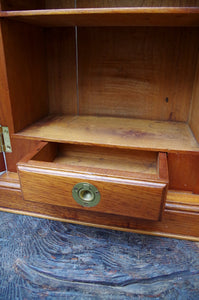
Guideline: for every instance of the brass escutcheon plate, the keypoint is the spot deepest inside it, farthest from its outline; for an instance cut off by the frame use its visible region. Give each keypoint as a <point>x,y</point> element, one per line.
<point>86,194</point>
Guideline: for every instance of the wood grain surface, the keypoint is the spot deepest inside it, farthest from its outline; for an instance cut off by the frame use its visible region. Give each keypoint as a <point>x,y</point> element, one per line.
<point>139,16</point>
<point>184,172</point>
<point>20,147</point>
<point>137,72</point>
<point>2,165</point>
<point>107,158</point>
<point>26,72</point>
<point>180,218</point>
<point>120,191</point>
<point>53,260</point>
<point>136,3</point>
<point>6,118</point>
<point>61,60</point>
<point>118,132</point>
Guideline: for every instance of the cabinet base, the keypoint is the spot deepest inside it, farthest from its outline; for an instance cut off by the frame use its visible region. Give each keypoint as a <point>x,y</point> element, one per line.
<point>180,220</point>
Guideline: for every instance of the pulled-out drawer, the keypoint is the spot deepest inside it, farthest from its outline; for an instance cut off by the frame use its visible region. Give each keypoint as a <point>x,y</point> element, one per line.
<point>106,180</point>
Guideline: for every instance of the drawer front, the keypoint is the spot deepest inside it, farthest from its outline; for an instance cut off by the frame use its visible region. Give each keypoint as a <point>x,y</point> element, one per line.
<point>134,198</point>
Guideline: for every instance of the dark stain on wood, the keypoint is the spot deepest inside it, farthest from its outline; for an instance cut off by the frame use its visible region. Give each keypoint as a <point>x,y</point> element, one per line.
<point>44,259</point>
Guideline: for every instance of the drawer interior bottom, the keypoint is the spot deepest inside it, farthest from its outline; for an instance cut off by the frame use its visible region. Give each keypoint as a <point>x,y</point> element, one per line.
<point>97,158</point>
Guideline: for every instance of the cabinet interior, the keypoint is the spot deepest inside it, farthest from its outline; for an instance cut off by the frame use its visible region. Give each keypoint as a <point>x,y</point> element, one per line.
<point>104,90</point>
<point>133,87</point>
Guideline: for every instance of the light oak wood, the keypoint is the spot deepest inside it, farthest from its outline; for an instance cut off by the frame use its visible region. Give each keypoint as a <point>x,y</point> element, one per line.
<point>184,172</point>
<point>108,158</point>
<point>127,198</point>
<point>186,202</point>
<point>10,180</point>
<point>101,161</point>
<point>137,72</point>
<point>118,132</point>
<point>119,194</point>
<point>175,224</point>
<point>146,16</point>
<point>20,147</point>
<point>6,118</point>
<point>162,166</point>
<point>61,59</point>
<point>109,105</point>
<point>26,72</point>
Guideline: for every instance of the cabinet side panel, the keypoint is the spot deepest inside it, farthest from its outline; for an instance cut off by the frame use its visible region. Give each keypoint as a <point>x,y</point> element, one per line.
<point>20,148</point>
<point>26,70</point>
<point>194,112</point>
<point>5,107</point>
<point>135,3</point>
<point>61,56</point>
<point>137,72</point>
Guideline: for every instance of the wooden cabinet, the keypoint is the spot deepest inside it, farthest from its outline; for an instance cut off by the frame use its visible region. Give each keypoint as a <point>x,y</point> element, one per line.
<point>104,94</point>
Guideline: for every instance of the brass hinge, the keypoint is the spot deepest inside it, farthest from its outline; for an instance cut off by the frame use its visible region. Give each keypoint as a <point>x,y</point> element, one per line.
<point>5,144</point>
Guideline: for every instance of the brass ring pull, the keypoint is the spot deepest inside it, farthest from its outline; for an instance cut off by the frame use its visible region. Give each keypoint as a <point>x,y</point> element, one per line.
<point>86,194</point>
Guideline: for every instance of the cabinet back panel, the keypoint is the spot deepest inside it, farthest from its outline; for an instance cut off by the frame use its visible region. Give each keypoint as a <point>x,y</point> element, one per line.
<point>137,72</point>
<point>22,4</point>
<point>56,4</point>
<point>135,3</point>
<point>59,4</point>
<point>26,72</point>
<point>61,56</point>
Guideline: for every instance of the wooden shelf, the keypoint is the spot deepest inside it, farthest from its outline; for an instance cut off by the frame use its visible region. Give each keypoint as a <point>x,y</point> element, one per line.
<point>137,16</point>
<point>118,132</point>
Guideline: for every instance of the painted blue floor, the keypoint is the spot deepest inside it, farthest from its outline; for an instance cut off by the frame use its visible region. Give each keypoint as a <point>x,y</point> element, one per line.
<point>43,259</point>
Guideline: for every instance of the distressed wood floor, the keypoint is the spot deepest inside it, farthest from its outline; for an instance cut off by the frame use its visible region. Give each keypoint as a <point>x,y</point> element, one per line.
<point>43,259</point>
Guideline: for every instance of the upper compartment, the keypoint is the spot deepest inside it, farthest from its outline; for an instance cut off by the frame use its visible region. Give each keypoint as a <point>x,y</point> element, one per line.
<point>129,87</point>
<point>102,13</point>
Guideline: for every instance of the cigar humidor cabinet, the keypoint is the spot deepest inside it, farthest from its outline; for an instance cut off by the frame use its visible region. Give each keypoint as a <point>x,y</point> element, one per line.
<point>99,113</point>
